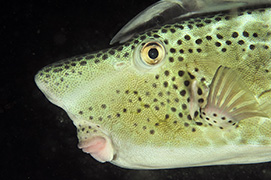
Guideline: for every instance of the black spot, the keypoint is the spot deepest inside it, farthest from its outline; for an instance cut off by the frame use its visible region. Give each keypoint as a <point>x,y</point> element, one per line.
<point>166,41</point>
<point>180,58</point>
<point>186,124</point>
<point>80,112</point>
<point>89,57</point>
<point>164,31</point>
<point>190,50</point>
<point>181,73</point>
<point>199,123</point>
<point>198,41</point>
<point>209,38</point>
<point>255,35</point>
<point>189,117</point>
<point>218,18</point>
<point>171,59</point>
<point>126,54</point>
<point>218,44</point>
<point>228,42</point>
<point>166,116</point>
<point>201,100</point>
<point>96,61</point>
<point>179,42</point>
<point>182,92</point>
<point>156,36</point>
<point>180,115</point>
<point>106,56</point>
<point>179,26</point>
<point>241,42</point>
<point>160,94</point>
<point>165,84</point>
<point>234,35</point>
<point>191,75</point>
<point>245,34</point>
<point>166,73</point>
<point>196,113</point>
<point>219,36</point>
<point>172,30</point>
<point>181,51</point>
<point>223,49</point>
<point>173,109</point>
<point>199,25</point>
<point>146,105</point>
<point>199,50</point>
<point>175,86</point>
<point>83,63</point>
<point>184,106</point>
<point>120,48</point>
<point>152,131</point>
<point>190,26</point>
<point>186,83</point>
<point>187,37</point>
<point>157,77</point>
<point>143,37</point>
<point>199,91</point>
<point>252,47</point>
<point>103,106</point>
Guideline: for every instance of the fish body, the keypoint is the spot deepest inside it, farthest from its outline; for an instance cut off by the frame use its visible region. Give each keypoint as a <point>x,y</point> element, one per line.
<point>190,93</point>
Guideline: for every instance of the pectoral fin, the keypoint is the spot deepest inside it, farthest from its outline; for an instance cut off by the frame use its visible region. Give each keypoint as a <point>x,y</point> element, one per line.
<point>229,100</point>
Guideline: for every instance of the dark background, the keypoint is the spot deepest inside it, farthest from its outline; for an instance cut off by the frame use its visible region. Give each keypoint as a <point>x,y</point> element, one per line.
<point>38,140</point>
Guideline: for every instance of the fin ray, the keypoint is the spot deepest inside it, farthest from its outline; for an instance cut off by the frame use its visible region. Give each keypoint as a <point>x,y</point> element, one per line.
<point>229,99</point>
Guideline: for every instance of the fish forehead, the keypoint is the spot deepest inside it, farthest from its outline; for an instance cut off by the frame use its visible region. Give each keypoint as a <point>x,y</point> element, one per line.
<point>106,89</point>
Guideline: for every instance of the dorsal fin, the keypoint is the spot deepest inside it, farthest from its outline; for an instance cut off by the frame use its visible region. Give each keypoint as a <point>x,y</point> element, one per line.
<point>164,11</point>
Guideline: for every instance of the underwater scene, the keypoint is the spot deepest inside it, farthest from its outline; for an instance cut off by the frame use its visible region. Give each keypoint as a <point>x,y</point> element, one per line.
<point>170,89</point>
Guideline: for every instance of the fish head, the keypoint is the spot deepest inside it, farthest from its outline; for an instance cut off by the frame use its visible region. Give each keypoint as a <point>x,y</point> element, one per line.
<point>116,91</point>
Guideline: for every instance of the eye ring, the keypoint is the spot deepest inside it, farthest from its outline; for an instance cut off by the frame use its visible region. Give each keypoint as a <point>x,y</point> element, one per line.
<point>152,53</point>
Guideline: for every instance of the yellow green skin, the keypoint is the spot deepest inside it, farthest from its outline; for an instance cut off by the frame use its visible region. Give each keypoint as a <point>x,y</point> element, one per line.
<point>140,109</point>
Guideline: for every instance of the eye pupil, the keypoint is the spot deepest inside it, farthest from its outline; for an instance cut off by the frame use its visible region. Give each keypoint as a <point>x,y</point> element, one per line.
<point>153,53</point>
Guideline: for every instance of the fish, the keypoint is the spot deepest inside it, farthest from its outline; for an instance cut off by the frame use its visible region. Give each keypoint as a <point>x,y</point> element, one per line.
<point>193,89</point>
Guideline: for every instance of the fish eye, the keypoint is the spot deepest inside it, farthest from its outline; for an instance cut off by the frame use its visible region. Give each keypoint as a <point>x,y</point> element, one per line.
<point>152,53</point>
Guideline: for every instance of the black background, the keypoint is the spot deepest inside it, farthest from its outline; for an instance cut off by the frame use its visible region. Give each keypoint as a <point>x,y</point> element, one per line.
<point>38,140</point>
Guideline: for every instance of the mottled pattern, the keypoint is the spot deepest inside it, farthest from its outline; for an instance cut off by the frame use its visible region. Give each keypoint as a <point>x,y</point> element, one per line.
<point>113,93</point>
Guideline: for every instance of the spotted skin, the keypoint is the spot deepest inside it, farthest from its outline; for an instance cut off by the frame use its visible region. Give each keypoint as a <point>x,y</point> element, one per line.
<point>146,114</point>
